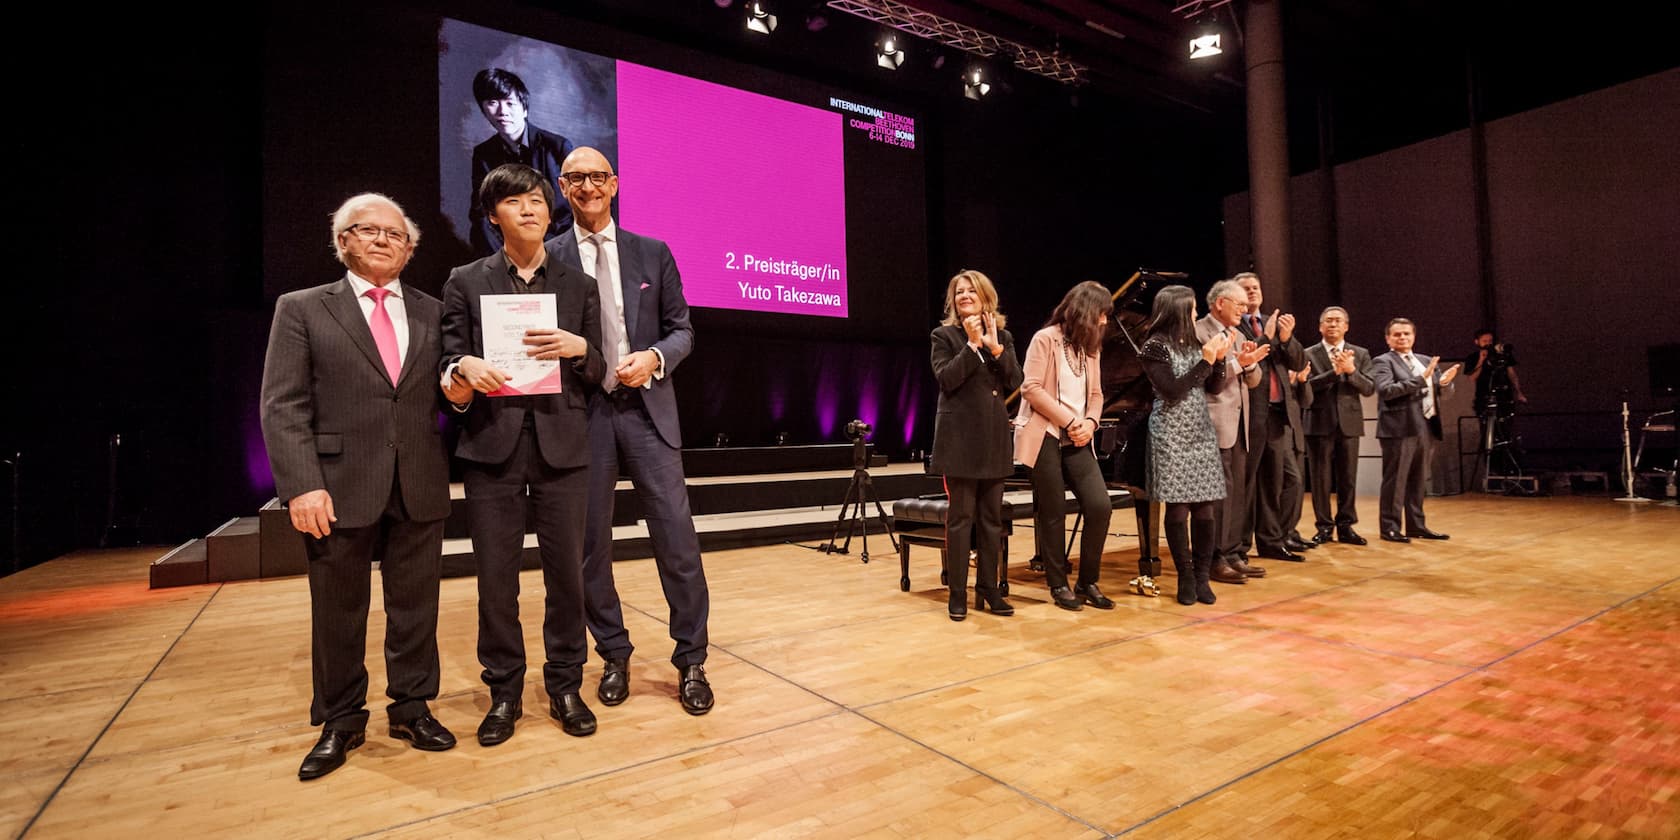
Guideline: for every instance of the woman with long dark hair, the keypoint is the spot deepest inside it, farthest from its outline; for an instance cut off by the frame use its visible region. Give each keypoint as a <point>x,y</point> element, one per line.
<point>1061,402</point>
<point>1184,468</point>
<point>974,362</point>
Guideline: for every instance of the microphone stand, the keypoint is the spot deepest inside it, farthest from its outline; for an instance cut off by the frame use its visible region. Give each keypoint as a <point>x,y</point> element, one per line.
<point>1627,459</point>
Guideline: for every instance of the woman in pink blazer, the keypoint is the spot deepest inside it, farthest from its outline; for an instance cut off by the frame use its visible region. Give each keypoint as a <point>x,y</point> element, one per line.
<point>1061,401</point>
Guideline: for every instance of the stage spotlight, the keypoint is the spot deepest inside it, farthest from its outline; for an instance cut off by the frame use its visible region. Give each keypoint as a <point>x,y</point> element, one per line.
<point>724,4</point>
<point>1204,40</point>
<point>759,19</point>
<point>888,54</point>
<point>975,84</point>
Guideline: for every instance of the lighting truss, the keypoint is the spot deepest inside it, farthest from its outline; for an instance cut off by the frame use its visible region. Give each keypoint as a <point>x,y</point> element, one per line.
<point>931,27</point>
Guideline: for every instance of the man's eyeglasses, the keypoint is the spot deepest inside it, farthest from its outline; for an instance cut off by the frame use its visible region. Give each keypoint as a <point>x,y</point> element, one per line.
<point>368,233</point>
<point>576,179</point>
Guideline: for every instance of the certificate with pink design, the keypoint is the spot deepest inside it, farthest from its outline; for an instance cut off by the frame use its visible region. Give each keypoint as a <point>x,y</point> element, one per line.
<point>505,319</point>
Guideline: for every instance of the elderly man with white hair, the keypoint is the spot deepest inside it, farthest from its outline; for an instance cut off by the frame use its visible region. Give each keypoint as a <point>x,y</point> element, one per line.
<point>350,396</point>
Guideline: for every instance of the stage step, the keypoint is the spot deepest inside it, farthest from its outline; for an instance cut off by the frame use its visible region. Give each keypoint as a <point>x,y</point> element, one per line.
<point>235,550</point>
<point>185,566</point>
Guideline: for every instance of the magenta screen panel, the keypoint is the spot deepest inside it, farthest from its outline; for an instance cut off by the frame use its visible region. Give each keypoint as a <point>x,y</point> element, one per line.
<point>749,191</point>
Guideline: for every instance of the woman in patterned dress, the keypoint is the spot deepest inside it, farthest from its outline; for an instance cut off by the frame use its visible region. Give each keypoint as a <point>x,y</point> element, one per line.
<point>1184,468</point>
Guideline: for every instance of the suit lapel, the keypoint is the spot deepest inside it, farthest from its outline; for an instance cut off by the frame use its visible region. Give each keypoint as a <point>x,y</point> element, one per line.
<point>341,304</point>
<point>419,332</point>
<point>629,281</point>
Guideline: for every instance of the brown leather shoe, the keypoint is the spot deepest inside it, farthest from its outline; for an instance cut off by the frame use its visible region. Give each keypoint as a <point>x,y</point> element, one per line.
<point>1223,573</point>
<point>1241,564</point>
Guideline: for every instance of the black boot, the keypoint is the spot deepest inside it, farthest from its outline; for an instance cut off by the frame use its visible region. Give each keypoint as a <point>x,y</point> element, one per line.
<point>1149,563</point>
<point>1178,542</point>
<point>1201,536</point>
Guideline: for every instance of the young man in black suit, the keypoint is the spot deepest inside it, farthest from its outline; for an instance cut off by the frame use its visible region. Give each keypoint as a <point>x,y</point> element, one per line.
<point>526,445</point>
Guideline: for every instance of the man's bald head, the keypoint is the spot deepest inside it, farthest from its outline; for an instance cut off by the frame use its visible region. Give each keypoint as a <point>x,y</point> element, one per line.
<point>589,184</point>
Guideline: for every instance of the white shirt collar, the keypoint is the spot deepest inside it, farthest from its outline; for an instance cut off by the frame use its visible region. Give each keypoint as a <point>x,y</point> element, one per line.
<point>361,287</point>
<point>1329,346</point>
<point>609,233</point>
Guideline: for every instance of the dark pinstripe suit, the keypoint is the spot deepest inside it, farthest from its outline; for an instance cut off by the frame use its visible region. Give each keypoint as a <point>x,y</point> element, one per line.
<point>333,420</point>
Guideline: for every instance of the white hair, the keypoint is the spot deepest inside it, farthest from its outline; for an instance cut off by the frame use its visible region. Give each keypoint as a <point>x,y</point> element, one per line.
<point>1224,289</point>
<point>354,205</point>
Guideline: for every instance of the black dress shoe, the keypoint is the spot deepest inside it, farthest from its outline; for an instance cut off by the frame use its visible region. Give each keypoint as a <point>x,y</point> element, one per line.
<point>328,753</point>
<point>992,602</point>
<point>1281,553</point>
<point>956,606</point>
<point>1297,544</point>
<point>425,733</point>
<point>615,682</point>
<point>573,714</point>
<point>1347,535</point>
<point>694,692</point>
<point>1241,565</point>
<point>1064,598</point>
<point>1090,595</point>
<point>498,724</point>
<point>1323,536</point>
<point>1426,534</point>
<point>1395,536</point>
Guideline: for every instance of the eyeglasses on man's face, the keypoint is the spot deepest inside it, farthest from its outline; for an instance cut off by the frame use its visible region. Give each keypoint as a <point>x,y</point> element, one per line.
<point>576,179</point>
<point>368,233</point>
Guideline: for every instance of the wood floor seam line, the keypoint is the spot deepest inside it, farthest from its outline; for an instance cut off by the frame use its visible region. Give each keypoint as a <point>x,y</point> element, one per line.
<point>46,803</point>
<point>589,777</point>
<point>983,774</point>
<point>1381,712</point>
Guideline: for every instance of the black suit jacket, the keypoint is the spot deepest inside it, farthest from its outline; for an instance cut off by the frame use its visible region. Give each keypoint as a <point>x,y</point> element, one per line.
<point>1336,408</point>
<point>544,152</point>
<point>972,437</point>
<point>1285,357</point>
<point>331,417</point>
<point>561,420</point>
<point>655,314</point>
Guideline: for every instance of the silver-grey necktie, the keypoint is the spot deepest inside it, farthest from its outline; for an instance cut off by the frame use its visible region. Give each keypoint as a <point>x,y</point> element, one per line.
<point>611,325</point>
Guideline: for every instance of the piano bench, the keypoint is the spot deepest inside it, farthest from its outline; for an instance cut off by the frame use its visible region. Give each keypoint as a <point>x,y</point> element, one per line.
<point>921,521</point>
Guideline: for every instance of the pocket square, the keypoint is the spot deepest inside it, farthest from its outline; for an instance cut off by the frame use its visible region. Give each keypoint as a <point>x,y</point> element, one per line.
<point>645,285</point>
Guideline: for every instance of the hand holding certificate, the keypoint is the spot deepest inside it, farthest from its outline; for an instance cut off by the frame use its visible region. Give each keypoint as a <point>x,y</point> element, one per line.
<point>507,319</point>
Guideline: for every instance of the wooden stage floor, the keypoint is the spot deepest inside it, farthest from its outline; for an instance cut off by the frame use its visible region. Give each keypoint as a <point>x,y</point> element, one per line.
<point>1521,680</point>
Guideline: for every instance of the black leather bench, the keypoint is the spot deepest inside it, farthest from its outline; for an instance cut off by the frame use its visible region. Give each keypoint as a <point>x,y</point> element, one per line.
<point>921,521</point>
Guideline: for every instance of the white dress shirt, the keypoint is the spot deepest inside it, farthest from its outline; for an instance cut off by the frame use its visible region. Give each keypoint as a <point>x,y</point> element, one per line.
<point>1428,385</point>
<point>615,308</point>
<point>393,307</point>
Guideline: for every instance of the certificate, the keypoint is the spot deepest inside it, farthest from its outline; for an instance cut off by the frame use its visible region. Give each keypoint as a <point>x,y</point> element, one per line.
<point>506,318</point>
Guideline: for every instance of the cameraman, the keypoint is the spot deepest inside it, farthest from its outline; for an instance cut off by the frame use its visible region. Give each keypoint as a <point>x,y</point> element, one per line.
<point>1492,365</point>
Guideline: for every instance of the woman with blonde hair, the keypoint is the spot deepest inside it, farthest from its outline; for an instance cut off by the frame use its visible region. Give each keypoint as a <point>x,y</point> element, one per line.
<point>974,362</point>
<point>1061,403</point>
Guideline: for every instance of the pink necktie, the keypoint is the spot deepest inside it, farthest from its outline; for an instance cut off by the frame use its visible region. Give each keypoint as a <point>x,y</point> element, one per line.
<point>385,334</point>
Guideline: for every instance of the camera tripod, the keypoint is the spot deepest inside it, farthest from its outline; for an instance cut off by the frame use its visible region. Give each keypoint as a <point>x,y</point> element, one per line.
<point>1499,446</point>
<point>860,491</point>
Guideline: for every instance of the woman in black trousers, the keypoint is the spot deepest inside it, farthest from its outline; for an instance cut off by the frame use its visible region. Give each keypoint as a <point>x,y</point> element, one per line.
<point>975,365</point>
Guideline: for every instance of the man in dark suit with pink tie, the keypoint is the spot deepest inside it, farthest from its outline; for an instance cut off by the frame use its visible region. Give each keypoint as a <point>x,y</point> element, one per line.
<point>645,334</point>
<point>350,398</point>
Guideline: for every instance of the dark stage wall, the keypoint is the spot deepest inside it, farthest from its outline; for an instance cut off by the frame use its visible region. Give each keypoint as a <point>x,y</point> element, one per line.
<point>164,257</point>
<point>1583,197</point>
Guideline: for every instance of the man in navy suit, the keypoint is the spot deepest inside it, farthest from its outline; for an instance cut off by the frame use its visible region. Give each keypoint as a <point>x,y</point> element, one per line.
<point>349,415</point>
<point>645,334</point>
<point>523,446</point>
<point>1409,391</point>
